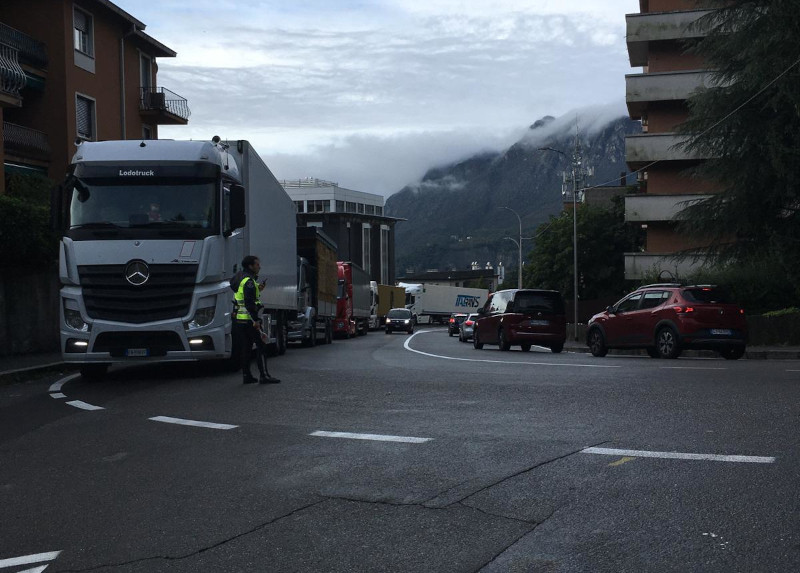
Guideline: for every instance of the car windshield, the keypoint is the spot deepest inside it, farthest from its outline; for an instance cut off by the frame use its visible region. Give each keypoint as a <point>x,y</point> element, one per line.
<point>539,301</point>
<point>399,313</point>
<point>459,317</point>
<point>707,294</point>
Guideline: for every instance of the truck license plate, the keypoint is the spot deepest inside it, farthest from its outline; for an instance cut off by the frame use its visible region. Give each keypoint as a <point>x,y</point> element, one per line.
<point>721,331</point>
<point>132,352</point>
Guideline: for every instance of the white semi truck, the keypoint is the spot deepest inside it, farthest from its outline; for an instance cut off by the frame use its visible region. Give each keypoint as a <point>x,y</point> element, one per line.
<point>438,302</point>
<point>152,233</point>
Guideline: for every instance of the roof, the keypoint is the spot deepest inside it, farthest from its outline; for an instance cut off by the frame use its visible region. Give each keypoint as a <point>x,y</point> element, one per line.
<point>159,49</point>
<point>452,275</point>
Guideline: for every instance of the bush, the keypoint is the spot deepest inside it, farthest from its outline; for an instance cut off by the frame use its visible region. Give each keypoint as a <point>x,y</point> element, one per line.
<point>26,239</point>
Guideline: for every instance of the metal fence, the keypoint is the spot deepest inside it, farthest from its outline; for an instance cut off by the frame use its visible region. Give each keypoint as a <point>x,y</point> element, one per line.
<point>31,51</point>
<point>12,77</point>
<point>159,98</point>
<point>25,141</point>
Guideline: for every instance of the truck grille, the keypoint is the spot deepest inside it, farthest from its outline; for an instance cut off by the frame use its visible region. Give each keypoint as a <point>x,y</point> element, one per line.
<point>109,296</point>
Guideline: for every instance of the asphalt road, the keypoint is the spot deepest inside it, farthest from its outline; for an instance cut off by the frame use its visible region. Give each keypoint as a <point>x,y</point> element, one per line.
<point>452,459</point>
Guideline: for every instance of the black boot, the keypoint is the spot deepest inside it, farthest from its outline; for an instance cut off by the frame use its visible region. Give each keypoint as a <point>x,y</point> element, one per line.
<point>249,378</point>
<point>267,379</point>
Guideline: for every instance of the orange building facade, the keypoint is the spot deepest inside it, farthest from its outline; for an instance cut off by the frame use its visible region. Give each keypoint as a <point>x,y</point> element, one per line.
<point>76,70</point>
<point>657,97</point>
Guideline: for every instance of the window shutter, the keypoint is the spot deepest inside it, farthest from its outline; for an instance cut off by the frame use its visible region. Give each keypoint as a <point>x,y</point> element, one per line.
<point>83,112</point>
<point>81,21</point>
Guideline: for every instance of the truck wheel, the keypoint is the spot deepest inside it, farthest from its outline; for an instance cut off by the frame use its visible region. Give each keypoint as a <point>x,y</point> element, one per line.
<point>313,340</point>
<point>94,372</point>
<point>281,336</point>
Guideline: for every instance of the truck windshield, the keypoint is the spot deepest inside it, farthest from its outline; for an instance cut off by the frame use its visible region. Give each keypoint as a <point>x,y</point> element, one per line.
<point>181,206</point>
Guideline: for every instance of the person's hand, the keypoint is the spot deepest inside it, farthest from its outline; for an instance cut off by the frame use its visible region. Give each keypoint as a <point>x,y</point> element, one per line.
<point>262,284</point>
<point>256,325</point>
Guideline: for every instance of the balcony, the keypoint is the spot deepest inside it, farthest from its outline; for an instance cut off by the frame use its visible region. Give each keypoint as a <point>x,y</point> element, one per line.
<point>658,26</point>
<point>648,208</point>
<point>12,77</point>
<point>31,52</point>
<point>163,107</point>
<point>637,265</point>
<point>25,143</point>
<point>643,149</point>
<point>642,89</point>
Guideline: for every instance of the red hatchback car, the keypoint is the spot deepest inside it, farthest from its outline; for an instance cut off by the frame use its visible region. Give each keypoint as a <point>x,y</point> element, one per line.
<point>664,319</point>
<point>522,317</point>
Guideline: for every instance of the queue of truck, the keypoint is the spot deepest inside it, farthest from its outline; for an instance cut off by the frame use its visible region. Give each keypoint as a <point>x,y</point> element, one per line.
<point>152,233</point>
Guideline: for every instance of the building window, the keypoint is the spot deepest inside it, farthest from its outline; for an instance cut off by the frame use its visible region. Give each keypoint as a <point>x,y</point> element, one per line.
<point>147,132</point>
<point>85,117</point>
<point>361,208</point>
<point>379,211</point>
<point>365,245</point>
<point>385,255</point>
<point>369,209</point>
<point>319,206</point>
<point>300,206</point>
<point>83,25</point>
<point>340,206</point>
<point>350,207</point>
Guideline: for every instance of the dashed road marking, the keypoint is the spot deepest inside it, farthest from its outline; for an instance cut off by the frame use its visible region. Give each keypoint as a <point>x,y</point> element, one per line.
<point>690,368</point>
<point>373,437</point>
<point>57,395</point>
<point>84,406</point>
<point>196,423</point>
<point>28,559</point>
<point>679,456</point>
<point>407,347</point>
<point>56,386</point>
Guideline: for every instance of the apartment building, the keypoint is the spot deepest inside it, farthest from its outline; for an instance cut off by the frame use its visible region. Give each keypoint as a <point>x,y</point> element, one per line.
<point>656,39</point>
<point>76,70</point>
<point>353,219</point>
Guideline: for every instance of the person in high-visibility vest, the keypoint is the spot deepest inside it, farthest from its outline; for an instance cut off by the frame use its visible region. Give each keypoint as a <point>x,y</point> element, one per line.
<point>248,301</point>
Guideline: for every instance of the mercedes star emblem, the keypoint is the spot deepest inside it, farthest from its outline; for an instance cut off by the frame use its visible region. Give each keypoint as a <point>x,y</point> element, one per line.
<point>137,273</point>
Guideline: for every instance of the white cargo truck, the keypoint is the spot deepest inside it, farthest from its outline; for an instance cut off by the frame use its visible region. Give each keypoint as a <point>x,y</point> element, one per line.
<point>152,233</point>
<point>437,302</point>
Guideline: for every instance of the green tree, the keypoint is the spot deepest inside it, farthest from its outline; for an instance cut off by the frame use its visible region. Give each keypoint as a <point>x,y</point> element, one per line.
<point>25,236</point>
<point>603,238</point>
<point>749,123</point>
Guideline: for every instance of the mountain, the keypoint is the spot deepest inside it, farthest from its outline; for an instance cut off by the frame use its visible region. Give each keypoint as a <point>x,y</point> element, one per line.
<point>455,216</point>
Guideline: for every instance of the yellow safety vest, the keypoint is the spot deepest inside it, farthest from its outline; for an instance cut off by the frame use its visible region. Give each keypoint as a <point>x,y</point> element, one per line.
<point>241,312</point>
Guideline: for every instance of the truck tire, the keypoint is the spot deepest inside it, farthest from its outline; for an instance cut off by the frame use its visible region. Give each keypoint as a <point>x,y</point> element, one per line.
<point>312,340</point>
<point>280,336</point>
<point>329,332</point>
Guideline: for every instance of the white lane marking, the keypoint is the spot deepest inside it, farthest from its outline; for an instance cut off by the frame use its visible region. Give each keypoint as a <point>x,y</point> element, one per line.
<point>56,386</point>
<point>182,422</point>
<point>57,395</point>
<point>690,368</point>
<point>407,347</point>
<point>84,406</point>
<point>34,569</point>
<point>793,370</point>
<point>679,456</point>
<point>374,437</point>
<point>28,559</point>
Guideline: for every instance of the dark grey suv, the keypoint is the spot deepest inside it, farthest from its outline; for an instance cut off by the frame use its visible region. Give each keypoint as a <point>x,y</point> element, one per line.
<point>399,319</point>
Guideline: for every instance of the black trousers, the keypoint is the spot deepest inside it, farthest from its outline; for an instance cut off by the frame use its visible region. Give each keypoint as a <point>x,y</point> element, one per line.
<point>248,336</point>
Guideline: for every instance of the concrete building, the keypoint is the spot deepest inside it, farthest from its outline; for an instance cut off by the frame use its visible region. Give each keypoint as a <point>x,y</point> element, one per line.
<point>657,97</point>
<point>353,219</point>
<point>76,69</point>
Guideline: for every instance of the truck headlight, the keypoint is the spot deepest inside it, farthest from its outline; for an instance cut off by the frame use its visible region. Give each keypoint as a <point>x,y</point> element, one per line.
<point>388,321</point>
<point>406,321</point>
<point>204,315</point>
<point>73,318</point>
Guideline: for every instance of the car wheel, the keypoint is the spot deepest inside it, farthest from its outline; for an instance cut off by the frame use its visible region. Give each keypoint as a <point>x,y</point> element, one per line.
<point>652,352</point>
<point>502,343</point>
<point>556,348</point>
<point>477,344</point>
<point>525,347</point>
<point>597,343</point>
<point>388,331</point>
<point>734,353</point>
<point>410,331</point>
<point>667,343</point>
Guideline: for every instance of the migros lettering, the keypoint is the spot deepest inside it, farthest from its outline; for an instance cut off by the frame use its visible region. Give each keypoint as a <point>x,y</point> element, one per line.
<point>136,173</point>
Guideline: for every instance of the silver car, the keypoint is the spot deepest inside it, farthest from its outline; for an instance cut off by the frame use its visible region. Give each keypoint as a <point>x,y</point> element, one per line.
<point>466,327</point>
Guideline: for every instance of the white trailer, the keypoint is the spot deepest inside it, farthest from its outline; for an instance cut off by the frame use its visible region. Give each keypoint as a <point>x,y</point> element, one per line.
<point>152,233</point>
<point>438,302</point>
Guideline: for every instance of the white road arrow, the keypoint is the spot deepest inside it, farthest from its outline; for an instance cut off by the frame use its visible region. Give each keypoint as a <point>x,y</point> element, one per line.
<point>28,559</point>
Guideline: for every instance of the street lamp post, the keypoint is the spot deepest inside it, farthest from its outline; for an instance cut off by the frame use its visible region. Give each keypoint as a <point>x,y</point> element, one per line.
<point>519,246</point>
<point>574,237</point>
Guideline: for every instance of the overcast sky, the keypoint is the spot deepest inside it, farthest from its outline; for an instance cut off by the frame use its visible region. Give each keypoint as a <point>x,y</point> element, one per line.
<point>372,93</point>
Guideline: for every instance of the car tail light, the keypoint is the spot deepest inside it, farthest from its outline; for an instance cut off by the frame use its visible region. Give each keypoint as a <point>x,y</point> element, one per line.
<point>741,311</point>
<point>469,322</point>
<point>683,309</point>
<point>452,320</point>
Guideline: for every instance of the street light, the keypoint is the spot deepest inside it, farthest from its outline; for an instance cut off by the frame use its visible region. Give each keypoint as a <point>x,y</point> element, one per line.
<point>519,246</point>
<point>574,235</point>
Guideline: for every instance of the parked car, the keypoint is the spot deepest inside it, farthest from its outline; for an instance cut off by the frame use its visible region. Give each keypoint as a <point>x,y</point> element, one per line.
<point>399,319</point>
<point>522,317</point>
<point>455,322</point>
<point>466,328</point>
<point>666,318</point>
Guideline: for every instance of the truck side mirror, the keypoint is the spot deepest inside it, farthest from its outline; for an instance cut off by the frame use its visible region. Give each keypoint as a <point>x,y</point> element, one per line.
<point>237,205</point>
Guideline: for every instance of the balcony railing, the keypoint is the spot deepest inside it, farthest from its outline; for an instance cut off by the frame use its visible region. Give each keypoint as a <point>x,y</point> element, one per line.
<point>31,51</point>
<point>162,99</point>
<point>12,76</point>
<point>19,140</point>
